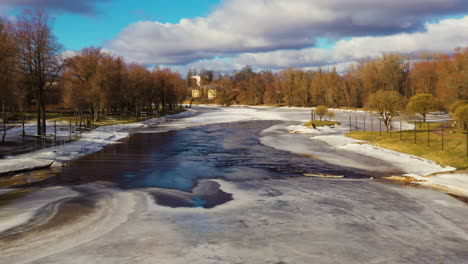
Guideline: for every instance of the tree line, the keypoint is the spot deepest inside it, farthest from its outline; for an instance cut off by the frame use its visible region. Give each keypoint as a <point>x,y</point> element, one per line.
<point>419,84</point>
<point>93,83</point>
<point>445,76</point>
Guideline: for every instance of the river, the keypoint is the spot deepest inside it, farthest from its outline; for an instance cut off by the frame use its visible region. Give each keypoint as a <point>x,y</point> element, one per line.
<point>200,190</point>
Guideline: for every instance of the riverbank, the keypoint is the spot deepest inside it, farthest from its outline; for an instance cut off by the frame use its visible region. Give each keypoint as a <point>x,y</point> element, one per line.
<point>88,142</point>
<point>418,170</point>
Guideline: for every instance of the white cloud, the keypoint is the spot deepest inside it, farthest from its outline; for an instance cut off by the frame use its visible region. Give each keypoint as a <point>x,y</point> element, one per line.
<point>443,36</point>
<point>253,26</point>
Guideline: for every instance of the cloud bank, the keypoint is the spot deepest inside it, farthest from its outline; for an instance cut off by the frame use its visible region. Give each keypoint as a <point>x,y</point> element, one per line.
<point>273,33</point>
<point>443,36</point>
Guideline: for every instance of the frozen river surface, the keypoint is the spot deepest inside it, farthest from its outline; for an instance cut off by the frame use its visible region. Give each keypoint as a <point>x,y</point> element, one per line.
<point>226,186</point>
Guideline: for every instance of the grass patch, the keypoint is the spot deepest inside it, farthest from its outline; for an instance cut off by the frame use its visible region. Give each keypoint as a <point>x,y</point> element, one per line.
<point>322,123</point>
<point>49,115</point>
<point>454,153</point>
<point>115,119</point>
<point>103,121</point>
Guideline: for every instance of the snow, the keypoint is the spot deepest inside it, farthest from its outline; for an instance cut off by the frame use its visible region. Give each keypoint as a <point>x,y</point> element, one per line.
<point>453,182</point>
<point>97,139</point>
<point>25,208</point>
<point>269,221</point>
<point>408,163</point>
<point>338,140</point>
<point>412,166</point>
<point>219,115</point>
<point>307,130</point>
<point>334,136</point>
<point>89,142</point>
<point>20,164</point>
<point>301,129</point>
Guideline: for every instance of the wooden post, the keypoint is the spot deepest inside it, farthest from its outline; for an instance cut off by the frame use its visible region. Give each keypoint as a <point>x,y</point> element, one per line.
<point>364,123</point>
<point>415,128</point>
<point>71,129</point>
<point>380,126</point>
<point>313,119</point>
<point>390,125</point>
<point>428,134</point>
<point>400,129</point>
<point>22,123</point>
<point>356,124</point>
<point>55,132</point>
<point>350,124</point>
<point>442,138</point>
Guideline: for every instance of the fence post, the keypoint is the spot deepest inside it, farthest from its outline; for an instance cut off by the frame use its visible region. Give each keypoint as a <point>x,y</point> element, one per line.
<point>442,138</point>
<point>55,132</point>
<point>313,119</point>
<point>356,124</point>
<point>71,129</point>
<point>364,123</point>
<point>390,128</point>
<point>428,133</point>
<point>350,124</point>
<point>400,130</point>
<point>380,126</point>
<point>415,128</point>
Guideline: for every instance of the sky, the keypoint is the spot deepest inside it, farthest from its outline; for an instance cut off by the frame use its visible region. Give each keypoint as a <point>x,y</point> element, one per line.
<point>226,35</point>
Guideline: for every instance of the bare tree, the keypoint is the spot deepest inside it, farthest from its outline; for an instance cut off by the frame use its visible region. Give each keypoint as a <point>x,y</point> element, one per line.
<point>38,58</point>
<point>7,73</point>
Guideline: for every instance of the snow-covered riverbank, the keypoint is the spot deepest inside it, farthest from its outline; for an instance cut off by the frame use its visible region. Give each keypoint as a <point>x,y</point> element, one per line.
<point>338,148</point>
<point>424,172</point>
<point>89,142</point>
<point>118,206</point>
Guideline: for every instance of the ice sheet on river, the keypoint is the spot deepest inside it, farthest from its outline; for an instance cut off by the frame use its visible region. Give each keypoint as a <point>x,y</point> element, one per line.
<point>269,221</point>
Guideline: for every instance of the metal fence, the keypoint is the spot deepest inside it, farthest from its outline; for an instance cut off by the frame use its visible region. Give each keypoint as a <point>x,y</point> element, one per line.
<point>422,133</point>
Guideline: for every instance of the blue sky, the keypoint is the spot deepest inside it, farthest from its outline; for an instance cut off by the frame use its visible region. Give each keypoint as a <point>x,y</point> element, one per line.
<point>225,35</point>
<point>77,30</point>
<point>113,17</point>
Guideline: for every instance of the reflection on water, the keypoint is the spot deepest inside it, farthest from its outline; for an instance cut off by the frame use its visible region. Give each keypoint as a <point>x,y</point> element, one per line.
<point>177,159</point>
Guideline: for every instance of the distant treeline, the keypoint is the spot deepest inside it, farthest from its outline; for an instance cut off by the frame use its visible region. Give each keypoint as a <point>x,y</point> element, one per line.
<point>442,75</point>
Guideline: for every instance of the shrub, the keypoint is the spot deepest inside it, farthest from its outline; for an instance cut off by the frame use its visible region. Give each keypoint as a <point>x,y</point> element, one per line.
<point>321,111</point>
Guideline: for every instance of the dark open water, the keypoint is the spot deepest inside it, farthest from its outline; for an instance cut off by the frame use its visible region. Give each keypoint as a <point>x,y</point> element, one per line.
<point>177,159</point>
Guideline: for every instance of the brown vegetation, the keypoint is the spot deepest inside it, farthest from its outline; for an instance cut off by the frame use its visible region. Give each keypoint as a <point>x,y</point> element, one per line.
<point>94,83</point>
